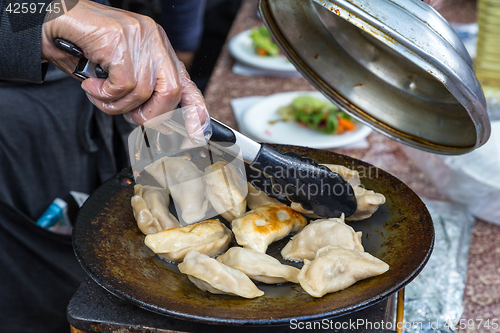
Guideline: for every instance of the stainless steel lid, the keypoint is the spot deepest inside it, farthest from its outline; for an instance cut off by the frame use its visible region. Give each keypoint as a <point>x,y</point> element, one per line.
<point>396,66</point>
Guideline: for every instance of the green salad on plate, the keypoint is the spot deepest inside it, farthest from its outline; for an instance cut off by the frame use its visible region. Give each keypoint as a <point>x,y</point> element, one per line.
<point>317,114</point>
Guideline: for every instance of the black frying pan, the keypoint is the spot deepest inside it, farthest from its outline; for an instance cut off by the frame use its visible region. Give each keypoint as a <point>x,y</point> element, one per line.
<point>111,249</point>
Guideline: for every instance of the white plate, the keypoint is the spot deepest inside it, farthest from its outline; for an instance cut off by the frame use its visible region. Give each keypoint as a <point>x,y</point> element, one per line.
<point>256,123</point>
<point>242,49</point>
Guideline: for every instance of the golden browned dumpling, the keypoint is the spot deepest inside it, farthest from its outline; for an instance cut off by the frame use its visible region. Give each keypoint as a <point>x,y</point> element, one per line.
<point>259,266</point>
<point>260,227</point>
<point>336,269</point>
<point>225,190</point>
<point>210,275</point>
<point>209,237</point>
<point>257,198</point>
<point>321,233</point>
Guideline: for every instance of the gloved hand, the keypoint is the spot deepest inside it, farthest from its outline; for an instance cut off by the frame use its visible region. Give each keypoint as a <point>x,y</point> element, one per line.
<point>145,79</point>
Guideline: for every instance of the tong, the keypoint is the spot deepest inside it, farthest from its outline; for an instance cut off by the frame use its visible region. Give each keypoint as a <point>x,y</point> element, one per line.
<point>286,176</point>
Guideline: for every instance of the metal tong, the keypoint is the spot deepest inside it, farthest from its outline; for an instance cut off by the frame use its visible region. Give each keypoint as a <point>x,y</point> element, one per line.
<point>286,176</point>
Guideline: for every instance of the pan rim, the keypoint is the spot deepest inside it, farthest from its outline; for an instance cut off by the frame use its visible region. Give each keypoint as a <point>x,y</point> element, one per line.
<point>185,315</point>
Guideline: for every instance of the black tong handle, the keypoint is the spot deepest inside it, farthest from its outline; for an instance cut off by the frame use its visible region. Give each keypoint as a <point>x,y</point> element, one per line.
<point>303,181</point>
<point>291,177</point>
<point>221,133</point>
<point>84,69</point>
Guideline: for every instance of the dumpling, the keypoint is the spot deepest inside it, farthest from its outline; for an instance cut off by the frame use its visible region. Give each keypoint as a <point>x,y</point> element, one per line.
<point>157,170</point>
<point>157,200</point>
<point>210,275</point>
<point>259,266</point>
<point>260,227</point>
<point>209,237</point>
<point>349,175</point>
<point>224,190</point>
<point>150,208</point>
<point>257,198</point>
<point>185,183</point>
<point>336,269</point>
<point>368,203</point>
<point>321,233</point>
<point>146,222</point>
<point>309,213</point>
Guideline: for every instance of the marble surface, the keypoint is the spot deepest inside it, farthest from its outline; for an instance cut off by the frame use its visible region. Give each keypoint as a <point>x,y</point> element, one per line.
<point>482,292</point>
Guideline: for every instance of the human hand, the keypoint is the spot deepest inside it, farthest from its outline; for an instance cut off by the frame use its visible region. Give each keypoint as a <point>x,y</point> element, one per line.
<point>146,78</point>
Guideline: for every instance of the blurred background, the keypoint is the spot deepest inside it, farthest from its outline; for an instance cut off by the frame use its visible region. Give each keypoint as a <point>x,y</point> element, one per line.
<point>217,17</point>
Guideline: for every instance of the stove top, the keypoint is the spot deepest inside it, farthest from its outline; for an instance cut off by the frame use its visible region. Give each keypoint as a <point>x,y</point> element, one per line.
<point>94,309</point>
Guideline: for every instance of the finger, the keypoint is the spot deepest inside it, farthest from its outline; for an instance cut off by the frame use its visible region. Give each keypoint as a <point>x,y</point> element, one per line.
<point>167,92</point>
<point>191,95</point>
<point>129,118</point>
<point>165,78</point>
<point>196,117</point>
<point>198,132</point>
<point>135,117</point>
<point>135,98</point>
<point>59,58</point>
<point>122,77</point>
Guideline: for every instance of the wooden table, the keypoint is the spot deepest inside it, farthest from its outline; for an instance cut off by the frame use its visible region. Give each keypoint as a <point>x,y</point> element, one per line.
<point>482,292</point>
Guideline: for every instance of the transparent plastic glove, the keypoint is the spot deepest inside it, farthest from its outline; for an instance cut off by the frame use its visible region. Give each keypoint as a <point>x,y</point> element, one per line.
<point>195,113</point>
<point>198,128</point>
<point>145,77</point>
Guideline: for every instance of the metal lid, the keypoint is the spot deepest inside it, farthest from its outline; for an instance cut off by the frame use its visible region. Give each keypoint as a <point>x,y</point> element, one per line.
<point>396,66</point>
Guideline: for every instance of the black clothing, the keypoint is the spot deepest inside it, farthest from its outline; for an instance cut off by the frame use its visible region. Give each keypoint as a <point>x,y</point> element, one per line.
<point>183,23</point>
<point>39,274</point>
<point>52,141</point>
<point>20,44</point>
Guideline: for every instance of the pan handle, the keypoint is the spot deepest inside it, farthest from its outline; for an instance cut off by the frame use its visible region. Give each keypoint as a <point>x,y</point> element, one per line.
<point>400,311</point>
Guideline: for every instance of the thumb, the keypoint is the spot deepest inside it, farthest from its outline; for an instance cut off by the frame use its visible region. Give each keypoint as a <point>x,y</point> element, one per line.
<point>196,115</point>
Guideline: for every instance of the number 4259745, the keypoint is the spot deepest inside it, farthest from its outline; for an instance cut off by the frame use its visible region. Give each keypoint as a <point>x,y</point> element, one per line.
<point>33,7</point>
<point>472,324</point>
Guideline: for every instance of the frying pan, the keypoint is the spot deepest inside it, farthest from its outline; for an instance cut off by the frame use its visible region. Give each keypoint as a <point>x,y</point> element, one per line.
<point>111,249</point>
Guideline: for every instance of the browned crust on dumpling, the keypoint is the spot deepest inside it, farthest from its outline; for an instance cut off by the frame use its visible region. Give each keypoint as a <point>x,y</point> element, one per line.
<point>262,226</point>
<point>210,237</point>
<point>270,214</point>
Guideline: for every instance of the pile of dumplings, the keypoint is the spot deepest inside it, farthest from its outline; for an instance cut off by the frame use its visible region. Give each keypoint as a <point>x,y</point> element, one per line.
<point>331,251</point>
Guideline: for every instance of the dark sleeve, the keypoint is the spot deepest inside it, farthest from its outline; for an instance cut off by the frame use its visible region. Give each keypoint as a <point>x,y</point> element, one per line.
<point>183,22</point>
<point>20,43</point>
